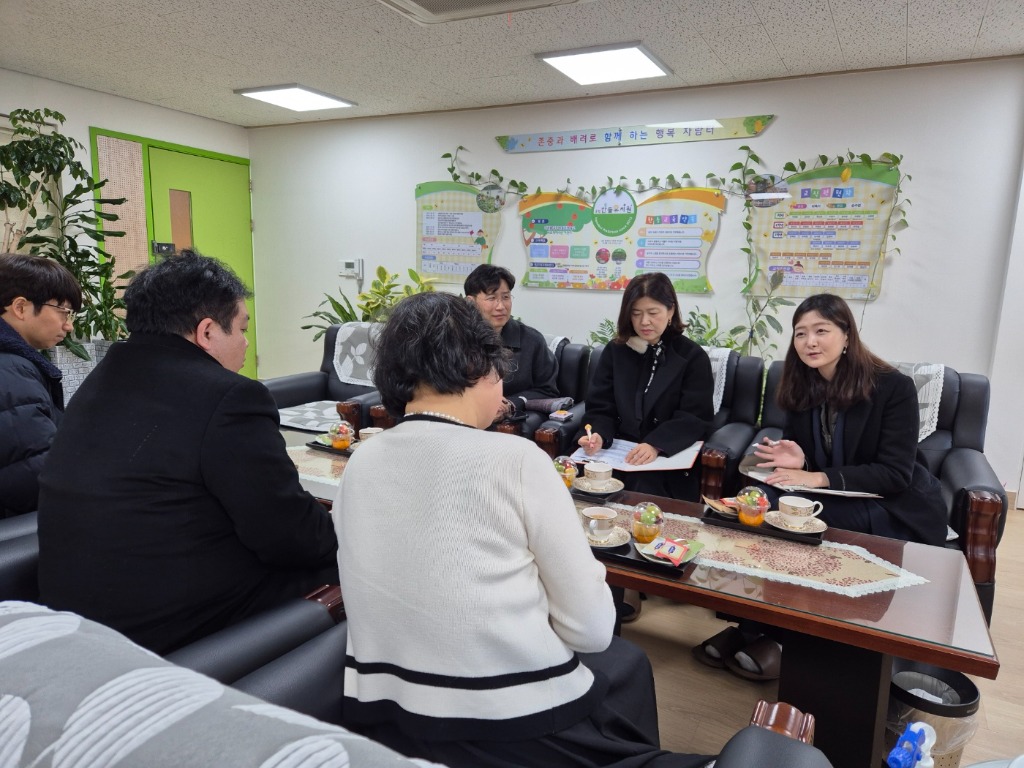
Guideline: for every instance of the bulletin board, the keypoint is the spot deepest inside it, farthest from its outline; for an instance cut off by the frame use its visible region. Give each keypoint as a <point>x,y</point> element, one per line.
<point>571,243</point>
<point>829,233</point>
<point>456,228</point>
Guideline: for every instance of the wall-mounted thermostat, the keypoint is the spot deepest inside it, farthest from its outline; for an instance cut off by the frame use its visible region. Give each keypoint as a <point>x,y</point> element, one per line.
<point>352,268</point>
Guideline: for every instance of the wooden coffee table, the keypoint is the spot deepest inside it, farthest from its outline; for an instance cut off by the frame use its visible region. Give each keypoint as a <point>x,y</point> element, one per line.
<point>837,663</point>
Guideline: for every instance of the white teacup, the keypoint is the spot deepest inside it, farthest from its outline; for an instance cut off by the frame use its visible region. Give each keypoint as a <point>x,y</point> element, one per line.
<point>796,510</point>
<point>367,432</point>
<point>599,522</point>
<point>599,474</point>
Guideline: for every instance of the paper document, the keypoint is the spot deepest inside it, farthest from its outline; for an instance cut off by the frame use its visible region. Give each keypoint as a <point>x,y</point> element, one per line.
<point>760,474</point>
<point>615,455</point>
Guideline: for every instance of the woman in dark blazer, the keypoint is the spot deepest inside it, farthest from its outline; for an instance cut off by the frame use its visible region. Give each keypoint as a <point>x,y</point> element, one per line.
<point>653,386</point>
<point>853,426</point>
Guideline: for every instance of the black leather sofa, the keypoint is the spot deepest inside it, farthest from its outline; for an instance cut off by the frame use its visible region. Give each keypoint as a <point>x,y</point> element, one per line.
<point>354,401</point>
<point>227,655</point>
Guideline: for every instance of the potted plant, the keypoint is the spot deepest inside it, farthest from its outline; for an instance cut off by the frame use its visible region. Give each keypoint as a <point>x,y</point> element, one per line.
<point>67,225</point>
<point>374,304</point>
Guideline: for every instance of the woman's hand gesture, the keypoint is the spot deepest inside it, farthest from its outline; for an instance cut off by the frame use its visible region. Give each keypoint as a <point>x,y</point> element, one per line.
<point>783,454</point>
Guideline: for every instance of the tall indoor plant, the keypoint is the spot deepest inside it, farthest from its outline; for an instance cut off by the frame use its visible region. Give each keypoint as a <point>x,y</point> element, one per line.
<point>50,204</point>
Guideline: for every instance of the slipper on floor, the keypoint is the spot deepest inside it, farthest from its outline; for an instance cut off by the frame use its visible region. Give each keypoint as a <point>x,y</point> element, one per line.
<point>767,657</point>
<point>726,643</point>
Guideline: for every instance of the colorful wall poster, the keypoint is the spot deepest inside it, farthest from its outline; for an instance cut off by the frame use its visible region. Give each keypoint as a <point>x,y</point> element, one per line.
<point>828,235</point>
<point>636,135</point>
<point>572,244</point>
<point>456,227</point>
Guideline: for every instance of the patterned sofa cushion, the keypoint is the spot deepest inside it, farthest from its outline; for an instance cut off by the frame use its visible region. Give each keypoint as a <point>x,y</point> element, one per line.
<point>74,693</point>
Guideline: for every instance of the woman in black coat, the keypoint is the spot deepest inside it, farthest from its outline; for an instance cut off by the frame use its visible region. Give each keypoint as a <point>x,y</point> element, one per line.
<point>852,426</point>
<point>654,387</point>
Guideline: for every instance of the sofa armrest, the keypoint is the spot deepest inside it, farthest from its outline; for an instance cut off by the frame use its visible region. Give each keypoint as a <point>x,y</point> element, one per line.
<point>555,437</point>
<point>308,679</point>
<point>784,718</point>
<point>298,388</point>
<point>978,506</point>
<point>759,747</point>
<point>357,409</point>
<point>381,417</point>
<point>235,651</point>
<point>720,458</point>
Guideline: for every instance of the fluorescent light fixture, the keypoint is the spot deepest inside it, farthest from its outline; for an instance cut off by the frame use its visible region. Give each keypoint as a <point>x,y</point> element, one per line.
<point>606,63</point>
<point>297,98</point>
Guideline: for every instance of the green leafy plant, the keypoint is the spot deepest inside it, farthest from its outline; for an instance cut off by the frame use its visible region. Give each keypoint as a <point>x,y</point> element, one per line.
<point>340,311</point>
<point>385,292</point>
<point>476,178</point>
<point>604,333</point>
<point>67,227</point>
<point>756,334</point>
<point>704,329</point>
<point>372,305</point>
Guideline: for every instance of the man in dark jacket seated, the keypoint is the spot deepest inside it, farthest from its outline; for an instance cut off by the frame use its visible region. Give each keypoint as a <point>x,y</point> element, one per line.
<point>169,507</point>
<point>38,301</point>
<point>534,373</point>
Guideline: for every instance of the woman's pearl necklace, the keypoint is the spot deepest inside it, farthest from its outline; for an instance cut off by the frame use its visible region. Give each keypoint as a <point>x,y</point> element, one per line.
<point>438,415</point>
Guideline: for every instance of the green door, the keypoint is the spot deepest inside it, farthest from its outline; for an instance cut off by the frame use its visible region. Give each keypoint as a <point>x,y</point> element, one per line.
<point>203,203</point>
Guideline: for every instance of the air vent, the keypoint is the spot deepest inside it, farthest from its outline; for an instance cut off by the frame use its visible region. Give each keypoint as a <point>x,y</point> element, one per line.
<point>441,11</point>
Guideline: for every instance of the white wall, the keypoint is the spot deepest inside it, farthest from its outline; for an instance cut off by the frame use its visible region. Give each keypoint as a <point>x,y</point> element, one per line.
<point>324,191</point>
<point>84,108</point>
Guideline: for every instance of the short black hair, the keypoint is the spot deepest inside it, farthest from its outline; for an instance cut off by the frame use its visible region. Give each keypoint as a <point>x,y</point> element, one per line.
<point>487,278</point>
<point>437,340</point>
<point>38,279</point>
<point>653,285</point>
<point>174,295</point>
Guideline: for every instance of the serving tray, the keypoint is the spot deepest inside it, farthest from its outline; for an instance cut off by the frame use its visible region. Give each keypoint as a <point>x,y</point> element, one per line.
<point>316,446</point>
<point>711,517</point>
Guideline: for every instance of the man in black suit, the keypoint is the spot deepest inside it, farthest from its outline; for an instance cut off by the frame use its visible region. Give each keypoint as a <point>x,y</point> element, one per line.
<point>168,506</point>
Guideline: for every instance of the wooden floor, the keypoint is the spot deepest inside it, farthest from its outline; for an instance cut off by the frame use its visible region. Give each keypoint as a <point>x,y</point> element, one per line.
<point>701,707</point>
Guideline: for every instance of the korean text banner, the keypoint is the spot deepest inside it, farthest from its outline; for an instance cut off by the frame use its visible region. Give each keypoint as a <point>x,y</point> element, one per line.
<point>573,244</point>
<point>456,227</point>
<point>829,234</point>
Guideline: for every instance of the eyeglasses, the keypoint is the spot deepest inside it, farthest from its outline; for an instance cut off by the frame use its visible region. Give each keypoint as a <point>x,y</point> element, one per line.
<point>69,314</point>
<point>495,298</point>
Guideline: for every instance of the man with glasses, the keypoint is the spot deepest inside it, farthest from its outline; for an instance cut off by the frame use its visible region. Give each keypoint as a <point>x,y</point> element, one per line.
<point>39,299</point>
<point>534,372</point>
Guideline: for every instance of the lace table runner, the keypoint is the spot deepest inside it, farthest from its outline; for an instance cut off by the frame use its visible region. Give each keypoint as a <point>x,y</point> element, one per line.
<point>843,569</point>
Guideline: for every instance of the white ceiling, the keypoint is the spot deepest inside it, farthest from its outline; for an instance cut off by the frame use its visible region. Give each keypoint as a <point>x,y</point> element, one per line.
<point>190,55</point>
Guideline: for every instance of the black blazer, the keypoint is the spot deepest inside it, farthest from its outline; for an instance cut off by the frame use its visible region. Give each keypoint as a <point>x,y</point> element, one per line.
<point>678,408</point>
<point>881,456</point>
<point>168,505</point>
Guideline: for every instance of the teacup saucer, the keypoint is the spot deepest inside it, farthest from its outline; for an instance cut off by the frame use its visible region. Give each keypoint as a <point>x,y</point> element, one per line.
<point>619,537</point>
<point>813,525</point>
<point>584,484</point>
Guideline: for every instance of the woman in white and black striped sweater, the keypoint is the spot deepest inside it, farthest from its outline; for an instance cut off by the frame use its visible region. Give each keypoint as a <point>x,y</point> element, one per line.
<point>469,587</point>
